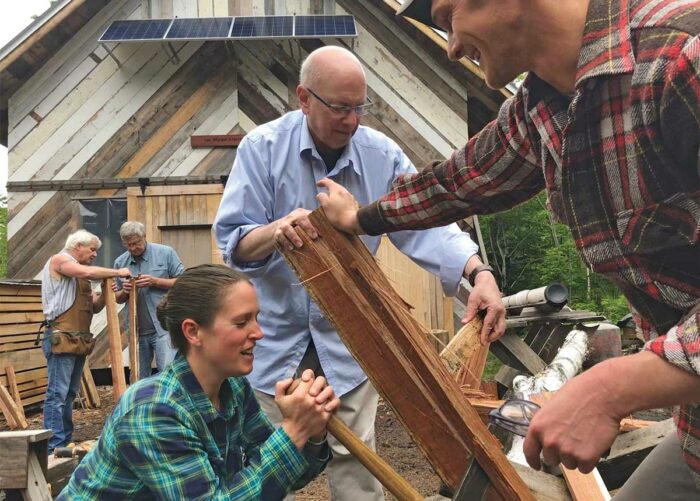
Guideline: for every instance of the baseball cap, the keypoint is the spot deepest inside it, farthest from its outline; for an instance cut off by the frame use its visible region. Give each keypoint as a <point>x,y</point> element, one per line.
<point>418,10</point>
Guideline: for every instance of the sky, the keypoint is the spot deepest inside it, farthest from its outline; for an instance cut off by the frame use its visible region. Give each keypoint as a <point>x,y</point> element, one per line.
<point>14,17</point>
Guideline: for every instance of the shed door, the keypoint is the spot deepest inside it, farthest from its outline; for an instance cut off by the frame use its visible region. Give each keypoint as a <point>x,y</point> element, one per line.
<point>193,244</point>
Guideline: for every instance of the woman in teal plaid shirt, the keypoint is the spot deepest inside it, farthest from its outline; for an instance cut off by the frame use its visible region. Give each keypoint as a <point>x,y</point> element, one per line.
<point>195,431</point>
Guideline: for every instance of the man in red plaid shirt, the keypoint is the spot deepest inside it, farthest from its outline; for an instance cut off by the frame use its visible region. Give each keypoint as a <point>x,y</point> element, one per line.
<point>608,122</point>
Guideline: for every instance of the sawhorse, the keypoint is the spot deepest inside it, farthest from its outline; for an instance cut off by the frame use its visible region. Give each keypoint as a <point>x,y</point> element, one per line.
<point>23,456</point>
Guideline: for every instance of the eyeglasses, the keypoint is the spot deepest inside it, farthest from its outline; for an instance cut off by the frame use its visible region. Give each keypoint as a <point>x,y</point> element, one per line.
<point>341,109</point>
<point>514,415</point>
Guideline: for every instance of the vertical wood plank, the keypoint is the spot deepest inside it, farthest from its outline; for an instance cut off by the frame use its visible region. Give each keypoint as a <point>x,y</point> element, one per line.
<point>220,8</point>
<point>133,334</point>
<point>205,8</point>
<point>115,342</point>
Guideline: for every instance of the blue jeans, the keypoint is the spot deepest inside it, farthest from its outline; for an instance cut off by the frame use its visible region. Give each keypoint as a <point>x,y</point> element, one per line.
<point>158,344</point>
<point>63,386</point>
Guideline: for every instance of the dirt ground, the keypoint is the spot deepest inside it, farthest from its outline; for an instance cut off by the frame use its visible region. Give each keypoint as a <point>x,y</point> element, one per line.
<point>393,443</point>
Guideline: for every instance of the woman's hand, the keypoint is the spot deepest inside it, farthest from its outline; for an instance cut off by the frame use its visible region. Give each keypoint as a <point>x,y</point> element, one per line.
<point>306,407</point>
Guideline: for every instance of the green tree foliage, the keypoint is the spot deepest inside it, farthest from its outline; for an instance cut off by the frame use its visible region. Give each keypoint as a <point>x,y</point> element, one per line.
<point>528,250</point>
<point>3,236</point>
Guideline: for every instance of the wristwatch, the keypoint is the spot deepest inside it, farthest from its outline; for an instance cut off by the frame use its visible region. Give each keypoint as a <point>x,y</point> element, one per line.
<point>476,271</point>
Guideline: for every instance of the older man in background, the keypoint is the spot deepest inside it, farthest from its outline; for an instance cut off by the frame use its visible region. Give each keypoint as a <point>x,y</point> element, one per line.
<point>155,267</point>
<point>68,303</point>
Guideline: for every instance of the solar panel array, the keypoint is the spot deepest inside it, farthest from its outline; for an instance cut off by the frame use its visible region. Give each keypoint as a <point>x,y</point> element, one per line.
<point>230,28</point>
<point>324,26</point>
<point>205,28</point>
<point>263,27</point>
<point>136,30</point>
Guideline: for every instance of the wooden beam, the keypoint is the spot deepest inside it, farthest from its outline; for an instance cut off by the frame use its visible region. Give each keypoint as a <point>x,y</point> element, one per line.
<point>44,30</point>
<point>12,409</point>
<point>14,391</point>
<point>513,351</point>
<point>582,486</point>
<point>216,140</point>
<point>630,449</point>
<point>90,386</point>
<point>133,335</point>
<point>391,346</point>
<point>115,343</point>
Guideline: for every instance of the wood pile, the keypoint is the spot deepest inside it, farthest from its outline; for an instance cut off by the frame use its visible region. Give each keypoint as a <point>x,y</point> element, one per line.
<point>20,318</point>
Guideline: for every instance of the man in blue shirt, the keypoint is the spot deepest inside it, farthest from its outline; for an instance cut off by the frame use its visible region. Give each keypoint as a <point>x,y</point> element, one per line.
<point>272,187</point>
<point>155,267</point>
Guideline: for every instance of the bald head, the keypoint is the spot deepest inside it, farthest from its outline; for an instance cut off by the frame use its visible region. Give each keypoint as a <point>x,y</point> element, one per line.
<point>330,63</point>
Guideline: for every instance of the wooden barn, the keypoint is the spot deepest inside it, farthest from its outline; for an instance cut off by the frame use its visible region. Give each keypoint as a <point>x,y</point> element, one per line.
<point>101,132</point>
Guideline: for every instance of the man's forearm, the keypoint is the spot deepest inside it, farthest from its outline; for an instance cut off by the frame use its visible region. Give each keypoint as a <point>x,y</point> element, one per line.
<point>645,381</point>
<point>256,245</point>
<point>165,283</point>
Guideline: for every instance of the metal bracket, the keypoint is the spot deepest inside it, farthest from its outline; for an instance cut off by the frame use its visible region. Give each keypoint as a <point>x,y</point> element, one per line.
<point>172,55</point>
<point>111,54</point>
<point>143,183</point>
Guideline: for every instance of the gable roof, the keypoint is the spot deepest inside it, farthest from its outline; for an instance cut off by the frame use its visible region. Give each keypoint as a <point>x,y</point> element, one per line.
<point>22,56</point>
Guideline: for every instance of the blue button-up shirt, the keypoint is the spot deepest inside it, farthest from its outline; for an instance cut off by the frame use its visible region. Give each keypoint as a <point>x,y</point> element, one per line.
<point>275,171</point>
<point>157,261</point>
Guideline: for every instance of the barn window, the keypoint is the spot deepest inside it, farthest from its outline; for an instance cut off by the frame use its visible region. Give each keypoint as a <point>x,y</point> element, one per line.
<point>103,217</point>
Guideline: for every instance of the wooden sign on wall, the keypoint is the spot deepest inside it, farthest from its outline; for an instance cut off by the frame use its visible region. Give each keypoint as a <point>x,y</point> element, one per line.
<point>216,141</point>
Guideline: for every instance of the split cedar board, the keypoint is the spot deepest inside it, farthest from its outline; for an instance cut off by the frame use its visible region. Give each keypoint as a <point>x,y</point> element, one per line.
<point>392,348</point>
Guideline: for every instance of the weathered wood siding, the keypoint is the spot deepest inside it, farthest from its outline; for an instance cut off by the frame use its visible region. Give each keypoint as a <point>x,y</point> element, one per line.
<point>83,116</point>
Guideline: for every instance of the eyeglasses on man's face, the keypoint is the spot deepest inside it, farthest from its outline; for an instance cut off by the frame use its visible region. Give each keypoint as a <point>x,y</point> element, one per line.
<point>341,109</point>
<point>514,415</point>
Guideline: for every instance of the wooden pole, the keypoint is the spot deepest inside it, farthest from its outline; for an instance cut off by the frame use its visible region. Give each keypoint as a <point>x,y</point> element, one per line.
<point>388,477</point>
<point>115,342</point>
<point>133,335</point>
<point>374,463</point>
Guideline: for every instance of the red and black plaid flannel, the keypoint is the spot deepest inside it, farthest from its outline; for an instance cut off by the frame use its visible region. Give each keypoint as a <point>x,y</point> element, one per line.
<point>619,160</point>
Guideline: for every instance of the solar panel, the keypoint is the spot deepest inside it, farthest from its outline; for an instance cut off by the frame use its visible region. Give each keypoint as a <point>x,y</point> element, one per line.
<point>262,27</point>
<point>148,29</point>
<point>204,28</point>
<point>324,26</point>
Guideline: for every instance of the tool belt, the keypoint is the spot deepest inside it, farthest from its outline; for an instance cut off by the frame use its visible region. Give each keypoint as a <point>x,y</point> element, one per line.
<point>71,343</point>
<point>68,343</point>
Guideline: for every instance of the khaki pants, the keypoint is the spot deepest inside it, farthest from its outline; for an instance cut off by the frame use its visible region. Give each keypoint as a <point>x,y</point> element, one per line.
<point>348,480</point>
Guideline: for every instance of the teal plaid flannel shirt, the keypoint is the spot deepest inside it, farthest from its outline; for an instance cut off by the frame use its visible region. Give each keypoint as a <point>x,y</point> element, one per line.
<point>165,440</point>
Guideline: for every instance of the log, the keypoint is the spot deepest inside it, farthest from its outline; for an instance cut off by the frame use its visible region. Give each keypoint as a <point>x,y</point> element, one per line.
<point>114,336</point>
<point>391,346</point>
